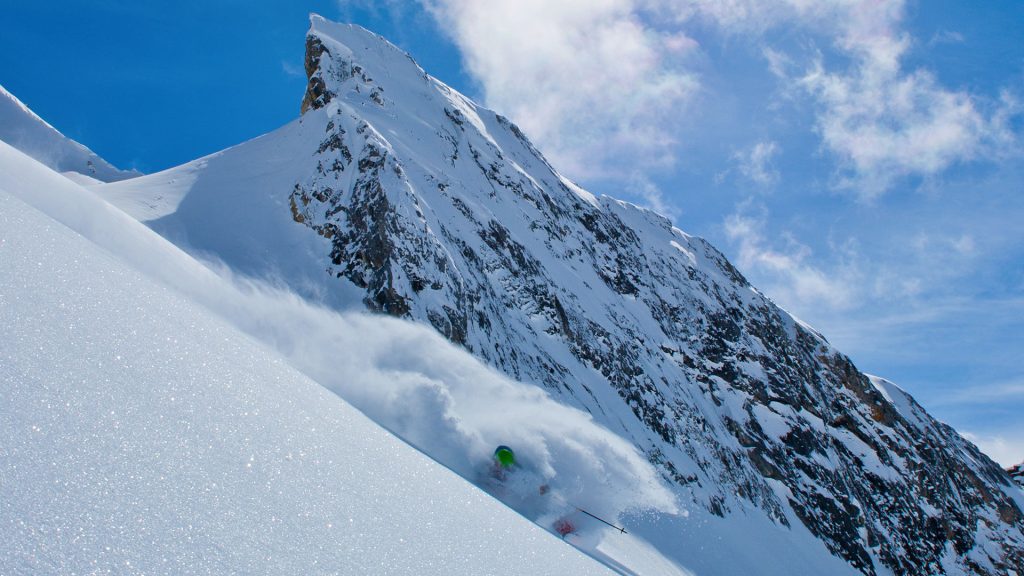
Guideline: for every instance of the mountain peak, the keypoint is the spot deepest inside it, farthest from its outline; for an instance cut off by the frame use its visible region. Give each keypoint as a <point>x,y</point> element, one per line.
<point>347,57</point>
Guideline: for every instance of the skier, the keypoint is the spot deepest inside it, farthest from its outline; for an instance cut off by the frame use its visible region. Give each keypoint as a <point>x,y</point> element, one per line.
<point>504,463</point>
<point>504,460</point>
<point>504,456</point>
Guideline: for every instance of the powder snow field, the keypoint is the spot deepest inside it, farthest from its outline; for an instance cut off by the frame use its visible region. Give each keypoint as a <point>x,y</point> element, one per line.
<point>141,434</point>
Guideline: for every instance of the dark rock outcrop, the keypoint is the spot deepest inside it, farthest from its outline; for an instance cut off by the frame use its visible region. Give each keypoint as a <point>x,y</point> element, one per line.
<point>1017,473</point>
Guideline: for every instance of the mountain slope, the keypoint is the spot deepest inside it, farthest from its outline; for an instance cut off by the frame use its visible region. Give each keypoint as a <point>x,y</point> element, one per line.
<point>396,193</point>
<point>142,434</point>
<point>23,129</point>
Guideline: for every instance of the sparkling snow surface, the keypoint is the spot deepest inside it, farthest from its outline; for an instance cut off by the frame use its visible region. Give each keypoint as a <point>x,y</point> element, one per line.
<point>140,434</point>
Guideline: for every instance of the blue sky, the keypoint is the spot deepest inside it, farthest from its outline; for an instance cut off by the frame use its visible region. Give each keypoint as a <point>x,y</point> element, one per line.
<point>859,160</point>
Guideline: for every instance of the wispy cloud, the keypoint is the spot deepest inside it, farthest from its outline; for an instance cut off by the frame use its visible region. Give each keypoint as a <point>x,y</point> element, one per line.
<point>985,394</point>
<point>786,272</point>
<point>292,69</point>
<point>946,37</point>
<point>756,163</point>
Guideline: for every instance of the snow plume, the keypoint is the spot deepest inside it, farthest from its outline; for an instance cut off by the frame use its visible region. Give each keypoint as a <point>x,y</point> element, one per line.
<point>442,400</point>
<point>404,376</point>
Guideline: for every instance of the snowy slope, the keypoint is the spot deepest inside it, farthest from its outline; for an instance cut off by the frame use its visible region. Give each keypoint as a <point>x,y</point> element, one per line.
<point>23,129</point>
<point>144,435</point>
<point>395,193</point>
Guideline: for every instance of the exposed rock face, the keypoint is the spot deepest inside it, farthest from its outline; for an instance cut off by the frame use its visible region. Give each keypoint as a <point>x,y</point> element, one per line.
<point>316,90</point>
<point>444,213</point>
<point>1017,473</point>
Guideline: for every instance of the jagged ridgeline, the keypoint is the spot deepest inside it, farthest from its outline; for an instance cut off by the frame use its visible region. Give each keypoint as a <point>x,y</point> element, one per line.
<point>397,193</point>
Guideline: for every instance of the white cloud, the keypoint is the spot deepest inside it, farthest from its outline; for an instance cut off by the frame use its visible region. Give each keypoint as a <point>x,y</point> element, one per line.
<point>884,125</point>
<point>787,275</point>
<point>756,163</point>
<point>883,122</point>
<point>598,89</point>
<point>880,121</point>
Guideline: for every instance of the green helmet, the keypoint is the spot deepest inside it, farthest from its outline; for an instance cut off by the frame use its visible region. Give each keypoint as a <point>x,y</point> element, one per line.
<point>504,456</point>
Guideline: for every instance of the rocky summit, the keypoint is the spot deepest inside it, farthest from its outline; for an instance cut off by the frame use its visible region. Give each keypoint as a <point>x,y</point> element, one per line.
<point>396,193</point>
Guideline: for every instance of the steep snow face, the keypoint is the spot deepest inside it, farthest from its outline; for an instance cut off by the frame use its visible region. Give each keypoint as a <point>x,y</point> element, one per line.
<point>141,434</point>
<point>23,129</point>
<point>398,193</point>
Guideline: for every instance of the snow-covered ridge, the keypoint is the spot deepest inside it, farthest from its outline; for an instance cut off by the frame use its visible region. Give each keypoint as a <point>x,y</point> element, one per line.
<point>395,193</point>
<point>26,131</point>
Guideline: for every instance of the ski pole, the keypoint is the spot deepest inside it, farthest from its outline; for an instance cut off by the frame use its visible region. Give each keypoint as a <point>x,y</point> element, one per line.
<point>598,518</point>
